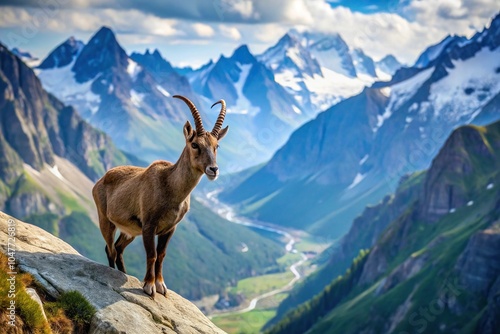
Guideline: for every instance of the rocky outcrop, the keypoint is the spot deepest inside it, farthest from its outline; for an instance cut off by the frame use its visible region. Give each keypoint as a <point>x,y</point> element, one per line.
<point>445,189</point>
<point>490,321</point>
<point>478,265</point>
<point>478,269</point>
<point>63,55</point>
<point>121,305</point>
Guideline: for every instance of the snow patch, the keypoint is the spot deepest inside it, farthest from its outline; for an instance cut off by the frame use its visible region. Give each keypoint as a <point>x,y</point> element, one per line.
<point>332,87</point>
<point>382,75</point>
<point>386,91</point>
<point>490,186</point>
<point>162,90</point>
<point>362,161</point>
<point>61,82</point>
<point>296,109</point>
<point>55,170</point>
<point>405,90</point>
<point>133,69</point>
<point>381,119</point>
<point>452,210</point>
<point>470,203</point>
<point>244,247</point>
<point>461,94</point>
<point>136,98</point>
<point>357,179</point>
<point>243,105</point>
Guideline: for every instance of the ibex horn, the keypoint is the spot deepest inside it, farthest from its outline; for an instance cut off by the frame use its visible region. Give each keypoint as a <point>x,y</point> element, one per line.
<point>220,119</point>
<point>196,114</point>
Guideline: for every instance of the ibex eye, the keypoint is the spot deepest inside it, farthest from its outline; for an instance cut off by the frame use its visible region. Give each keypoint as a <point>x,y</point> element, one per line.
<point>195,146</point>
<point>217,147</point>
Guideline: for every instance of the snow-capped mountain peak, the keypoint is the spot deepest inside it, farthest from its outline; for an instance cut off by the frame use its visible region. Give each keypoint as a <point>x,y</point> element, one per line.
<point>289,55</point>
<point>153,61</point>
<point>433,51</point>
<point>63,55</point>
<point>101,53</point>
<point>388,66</point>
<point>363,63</point>
<point>242,55</point>
<point>332,52</point>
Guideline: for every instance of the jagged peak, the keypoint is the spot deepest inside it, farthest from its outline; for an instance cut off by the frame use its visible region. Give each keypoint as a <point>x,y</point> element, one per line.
<point>103,36</point>
<point>101,53</point>
<point>243,55</point>
<point>63,54</point>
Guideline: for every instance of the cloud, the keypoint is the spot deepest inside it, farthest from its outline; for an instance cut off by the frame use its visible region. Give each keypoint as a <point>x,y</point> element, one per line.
<point>405,32</point>
<point>89,21</point>
<point>229,32</point>
<point>458,16</point>
<point>203,30</point>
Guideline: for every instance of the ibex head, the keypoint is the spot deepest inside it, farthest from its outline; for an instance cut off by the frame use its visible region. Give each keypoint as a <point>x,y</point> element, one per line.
<point>202,145</point>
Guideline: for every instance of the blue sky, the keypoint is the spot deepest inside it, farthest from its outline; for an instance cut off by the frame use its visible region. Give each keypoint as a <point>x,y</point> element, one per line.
<point>191,32</point>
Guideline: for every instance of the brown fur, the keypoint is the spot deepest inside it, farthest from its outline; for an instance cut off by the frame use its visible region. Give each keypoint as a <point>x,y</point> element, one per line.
<point>152,201</point>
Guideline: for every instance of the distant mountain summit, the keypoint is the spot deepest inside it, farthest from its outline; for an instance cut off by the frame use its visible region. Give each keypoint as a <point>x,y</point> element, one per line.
<point>154,62</point>
<point>363,63</point>
<point>63,55</point>
<point>100,54</point>
<point>290,54</point>
<point>320,69</point>
<point>389,64</point>
<point>256,102</point>
<point>432,52</point>
<point>120,95</point>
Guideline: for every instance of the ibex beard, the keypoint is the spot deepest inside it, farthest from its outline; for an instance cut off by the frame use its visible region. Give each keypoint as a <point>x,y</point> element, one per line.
<point>152,201</point>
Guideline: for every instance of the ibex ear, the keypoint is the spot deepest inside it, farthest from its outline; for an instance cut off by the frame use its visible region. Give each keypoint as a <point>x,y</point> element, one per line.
<point>189,133</point>
<point>223,132</point>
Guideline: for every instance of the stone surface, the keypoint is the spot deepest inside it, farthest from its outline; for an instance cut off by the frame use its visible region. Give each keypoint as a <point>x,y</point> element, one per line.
<point>32,293</point>
<point>122,306</point>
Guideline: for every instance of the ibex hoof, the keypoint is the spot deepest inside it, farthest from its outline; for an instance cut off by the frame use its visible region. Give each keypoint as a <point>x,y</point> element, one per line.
<point>149,289</point>
<point>161,288</point>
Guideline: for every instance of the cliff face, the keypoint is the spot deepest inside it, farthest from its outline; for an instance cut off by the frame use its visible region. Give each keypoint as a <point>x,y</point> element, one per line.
<point>121,305</point>
<point>446,185</point>
<point>38,133</point>
<point>36,126</point>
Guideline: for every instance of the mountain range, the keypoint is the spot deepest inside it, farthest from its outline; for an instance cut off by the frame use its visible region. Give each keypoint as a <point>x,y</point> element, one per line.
<point>51,158</point>
<point>320,69</point>
<point>354,153</point>
<point>268,96</point>
<point>431,258</point>
<point>118,94</point>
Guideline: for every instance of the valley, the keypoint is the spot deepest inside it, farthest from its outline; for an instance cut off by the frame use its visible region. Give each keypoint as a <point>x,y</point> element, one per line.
<point>261,295</point>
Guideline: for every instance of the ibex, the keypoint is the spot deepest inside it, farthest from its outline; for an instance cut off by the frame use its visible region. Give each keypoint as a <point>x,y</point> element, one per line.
<point>152,201</point>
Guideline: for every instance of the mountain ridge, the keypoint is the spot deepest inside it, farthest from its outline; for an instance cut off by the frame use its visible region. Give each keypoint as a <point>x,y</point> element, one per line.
<point>437,242</point>
<point>388,130</point>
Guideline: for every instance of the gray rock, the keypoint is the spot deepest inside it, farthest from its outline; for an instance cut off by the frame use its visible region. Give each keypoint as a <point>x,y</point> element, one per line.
<point>478,265</point>
<point>32,293</point>
<point>122,306</point>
